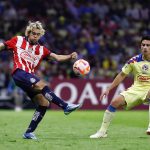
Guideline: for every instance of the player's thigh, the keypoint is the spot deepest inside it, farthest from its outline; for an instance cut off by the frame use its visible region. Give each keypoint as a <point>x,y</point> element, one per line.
<point>39,85</point>
<point>40,100</point>
<point>133,97</point>
<point>118,101</point>
<point>148,95</point>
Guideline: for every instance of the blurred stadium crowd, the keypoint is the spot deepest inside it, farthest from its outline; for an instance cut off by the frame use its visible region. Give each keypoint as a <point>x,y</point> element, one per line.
<point>104,32</point>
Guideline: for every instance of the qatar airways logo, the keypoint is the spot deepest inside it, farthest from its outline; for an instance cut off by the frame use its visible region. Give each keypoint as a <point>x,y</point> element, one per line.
<point>28,57</point>
<point>87,92</point>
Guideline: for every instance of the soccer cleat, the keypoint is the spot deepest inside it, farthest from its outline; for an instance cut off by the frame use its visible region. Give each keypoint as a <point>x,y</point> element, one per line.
<point>29,136</point>
<point>71,107</point>
<point>98,134</point>
<point>148,131</point>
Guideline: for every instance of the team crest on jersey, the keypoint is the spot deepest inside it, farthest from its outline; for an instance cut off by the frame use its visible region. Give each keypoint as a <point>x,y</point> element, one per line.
<point>32,80</point>
<point>30,50</point>
<point>145,68</point>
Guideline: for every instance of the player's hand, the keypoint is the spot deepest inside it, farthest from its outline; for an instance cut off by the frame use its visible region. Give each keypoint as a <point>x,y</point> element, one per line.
<point>104,94</point>
<point>74,55</point>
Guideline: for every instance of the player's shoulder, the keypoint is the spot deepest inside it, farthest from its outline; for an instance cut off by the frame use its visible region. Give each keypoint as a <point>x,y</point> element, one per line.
<point>136,58</point>
<point>43,47</point>
<point>18,37</point>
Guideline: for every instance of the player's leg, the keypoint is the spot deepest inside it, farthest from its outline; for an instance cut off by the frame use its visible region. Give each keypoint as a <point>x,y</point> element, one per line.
<point>147,102</point>
<point>148,129</point>
<point>128,99</point>
<point>33,85</point>
<point>119,101</point>
<point>50,96</point>
<point>42,105</point>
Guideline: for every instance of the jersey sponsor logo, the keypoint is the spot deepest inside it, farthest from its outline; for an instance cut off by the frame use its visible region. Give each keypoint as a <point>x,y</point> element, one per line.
<point>28,57</point>
<point>143,78</point>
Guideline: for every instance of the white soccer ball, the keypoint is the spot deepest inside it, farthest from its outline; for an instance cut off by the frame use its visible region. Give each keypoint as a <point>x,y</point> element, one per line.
<point>81,67</point>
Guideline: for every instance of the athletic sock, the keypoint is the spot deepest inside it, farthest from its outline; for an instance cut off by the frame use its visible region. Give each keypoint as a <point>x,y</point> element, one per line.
<point>37,117</point>
<point>50,96</point>
<point>107,118</point>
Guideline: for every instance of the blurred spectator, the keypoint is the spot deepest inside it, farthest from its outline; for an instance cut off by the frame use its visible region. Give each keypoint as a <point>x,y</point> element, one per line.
<point>104,32</point>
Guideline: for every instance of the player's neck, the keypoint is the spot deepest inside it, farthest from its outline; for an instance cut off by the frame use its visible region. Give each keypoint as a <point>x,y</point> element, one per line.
<point>31,43</point>
<point>146,57</point>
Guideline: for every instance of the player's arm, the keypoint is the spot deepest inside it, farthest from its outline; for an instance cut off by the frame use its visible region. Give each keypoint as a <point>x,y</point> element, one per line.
<point>119,78</point>
<point>56,57</point>
<point>2,46</point>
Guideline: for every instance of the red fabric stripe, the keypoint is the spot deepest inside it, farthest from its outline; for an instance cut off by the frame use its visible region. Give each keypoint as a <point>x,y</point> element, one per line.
<point>17,64</point>
<point>25,64</point>
<point>30,66</point>
<point>37,50</point>
<point>42,51</point>
<point>46,52</point>
<point>24,44</point>
<point>11,43</point>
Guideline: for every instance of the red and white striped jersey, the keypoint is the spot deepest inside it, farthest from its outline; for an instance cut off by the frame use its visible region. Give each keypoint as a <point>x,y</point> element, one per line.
<point>26,56</point>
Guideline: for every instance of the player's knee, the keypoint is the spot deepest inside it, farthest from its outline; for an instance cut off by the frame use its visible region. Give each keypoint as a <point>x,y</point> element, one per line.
<point>117,103</point>
<point>46,103</point>
<point>148,95</point>
<point>40,85</point>
<point>114,104</point>
<point>43,102</point>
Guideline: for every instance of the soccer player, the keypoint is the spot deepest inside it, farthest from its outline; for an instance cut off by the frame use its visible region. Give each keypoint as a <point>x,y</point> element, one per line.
<point>27,55</point>
<point>137,94</point>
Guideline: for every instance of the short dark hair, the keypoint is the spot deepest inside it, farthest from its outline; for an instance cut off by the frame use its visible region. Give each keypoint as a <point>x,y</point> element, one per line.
<point>145,37</point>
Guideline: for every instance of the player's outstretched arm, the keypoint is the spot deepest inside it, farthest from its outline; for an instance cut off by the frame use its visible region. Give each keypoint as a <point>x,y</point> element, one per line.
<point>119,78</point>
<point>2,46</point>
<point>56,57</point>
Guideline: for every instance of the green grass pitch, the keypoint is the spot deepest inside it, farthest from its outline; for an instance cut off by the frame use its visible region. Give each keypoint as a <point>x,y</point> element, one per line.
<point>60,132</point>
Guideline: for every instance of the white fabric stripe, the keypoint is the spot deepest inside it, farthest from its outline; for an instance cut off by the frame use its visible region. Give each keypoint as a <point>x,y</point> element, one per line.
<point>26,48</point>
<point>41,51</point>
<point>33,52</point>
<point>34,47</point>
<point>18,44</point>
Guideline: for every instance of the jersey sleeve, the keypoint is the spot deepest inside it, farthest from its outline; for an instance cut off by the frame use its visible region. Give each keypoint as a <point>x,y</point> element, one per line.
<point>46,52</point>
<point>127,68</point>
<point>10,44</point>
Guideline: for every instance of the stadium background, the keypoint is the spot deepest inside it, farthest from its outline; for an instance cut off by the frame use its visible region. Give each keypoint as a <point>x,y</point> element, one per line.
<point>104,32</point>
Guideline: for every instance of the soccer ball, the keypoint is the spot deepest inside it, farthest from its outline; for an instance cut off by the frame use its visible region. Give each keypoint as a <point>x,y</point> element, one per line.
<point>81,67</point>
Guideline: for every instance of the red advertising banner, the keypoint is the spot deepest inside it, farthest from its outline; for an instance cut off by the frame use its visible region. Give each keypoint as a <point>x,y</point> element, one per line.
<point>87,92</point>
